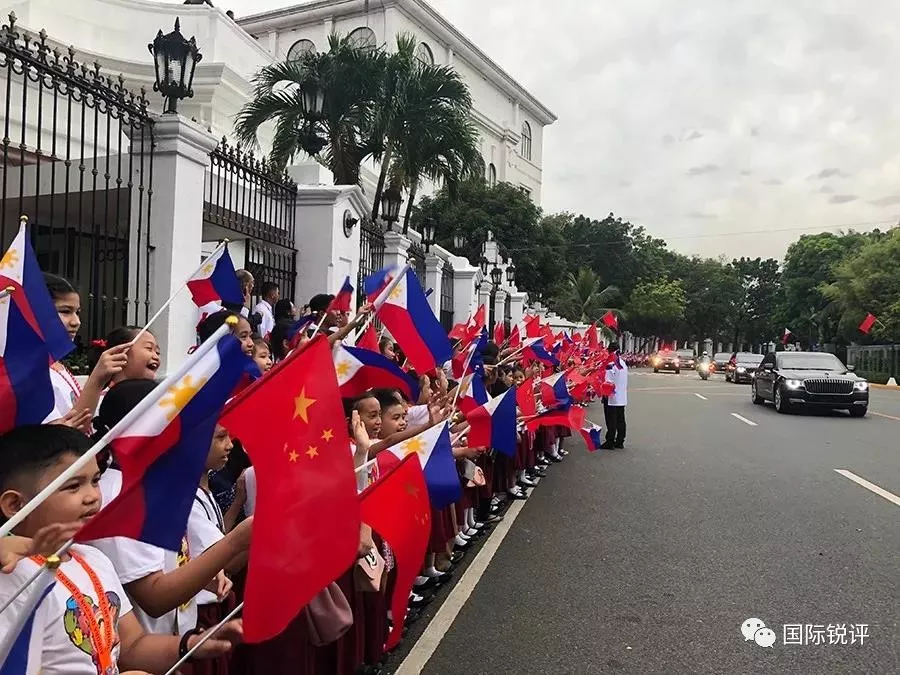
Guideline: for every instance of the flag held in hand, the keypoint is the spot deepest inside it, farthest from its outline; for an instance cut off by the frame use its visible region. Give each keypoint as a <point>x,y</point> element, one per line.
<point>868,323</point>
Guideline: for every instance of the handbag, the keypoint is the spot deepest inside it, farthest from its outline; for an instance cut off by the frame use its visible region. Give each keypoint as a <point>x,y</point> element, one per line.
<point>369,572</point>
<point>328,615</point>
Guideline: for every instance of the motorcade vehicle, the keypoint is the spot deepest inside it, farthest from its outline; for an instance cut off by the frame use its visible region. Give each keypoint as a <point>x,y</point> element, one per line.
<point>796,380</point>
<point>743,368</point>
<point>687,358</point>
<point>721,360</point>
<point>666,360</point>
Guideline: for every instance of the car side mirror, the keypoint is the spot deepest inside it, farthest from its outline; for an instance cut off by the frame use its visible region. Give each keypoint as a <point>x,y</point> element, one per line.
<point>851,368</point>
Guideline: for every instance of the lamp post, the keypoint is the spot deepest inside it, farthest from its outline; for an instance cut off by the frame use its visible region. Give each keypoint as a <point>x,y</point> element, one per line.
<point>391,199</point>
<point>510,273</point>
<point>428,233</point>
<point>483,264</point>
<point>459,240</point>
<point>175,59</point>
<point>312,103</point>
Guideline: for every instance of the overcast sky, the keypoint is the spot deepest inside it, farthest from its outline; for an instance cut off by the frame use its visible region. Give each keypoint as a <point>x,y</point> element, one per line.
<point>723,126</point>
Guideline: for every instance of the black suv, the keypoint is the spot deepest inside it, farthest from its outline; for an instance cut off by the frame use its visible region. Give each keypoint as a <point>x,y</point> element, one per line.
<point>804,379</point>
<point>745,365</point>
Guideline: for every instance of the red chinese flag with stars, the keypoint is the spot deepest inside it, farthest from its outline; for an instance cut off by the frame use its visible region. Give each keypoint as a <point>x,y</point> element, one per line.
<point>397,508</point>
<point>306,521</point>
<point>867,323</point>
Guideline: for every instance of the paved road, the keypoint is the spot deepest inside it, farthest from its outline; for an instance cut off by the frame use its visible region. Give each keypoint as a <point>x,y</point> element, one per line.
<point>648,560</point>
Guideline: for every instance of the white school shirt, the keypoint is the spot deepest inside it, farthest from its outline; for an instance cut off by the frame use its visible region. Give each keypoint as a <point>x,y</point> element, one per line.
<point>416,415</point>
<point>250,485</point>
<point>57,632</point>
<point>66,391</point>
<point>268,319</point>
<point>205,528</point>
<point>135,560</point>
<point>618,377</point>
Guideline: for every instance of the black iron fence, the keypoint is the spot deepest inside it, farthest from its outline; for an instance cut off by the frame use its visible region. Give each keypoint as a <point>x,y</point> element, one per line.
<point>77,158</point>
<point>416,258</point>
<point>269,262</point>
<point>371,254</point>
<point>447,297</point>
<point>247,195</point>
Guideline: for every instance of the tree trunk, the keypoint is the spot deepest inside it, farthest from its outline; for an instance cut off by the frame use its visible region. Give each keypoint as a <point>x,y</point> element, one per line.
<point>409,205</point>
<point>385,162</point>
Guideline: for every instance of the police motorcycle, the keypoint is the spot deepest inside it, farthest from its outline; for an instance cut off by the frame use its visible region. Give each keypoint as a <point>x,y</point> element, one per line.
<point>705,366</point>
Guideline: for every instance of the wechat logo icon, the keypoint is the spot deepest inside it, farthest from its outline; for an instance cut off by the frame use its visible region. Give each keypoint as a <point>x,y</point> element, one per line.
<point>755,629</point>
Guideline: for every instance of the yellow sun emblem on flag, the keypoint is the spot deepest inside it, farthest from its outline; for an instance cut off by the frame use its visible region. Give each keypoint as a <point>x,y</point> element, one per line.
<point>9,259</point>
<point>179,395</point>
<point>208,269</point>
<point>396,292</point>
<point>342,368</point>
<point>413,445</point>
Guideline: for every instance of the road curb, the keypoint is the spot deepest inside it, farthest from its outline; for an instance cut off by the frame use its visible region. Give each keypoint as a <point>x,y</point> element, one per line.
<point>884,386</point>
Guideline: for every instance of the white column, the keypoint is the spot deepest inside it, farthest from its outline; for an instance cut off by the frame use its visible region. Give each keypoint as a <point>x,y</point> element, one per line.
<point>396,249</point>
<point>499,306</point>
<point>464,300</point>
<point>273,43</point>
<point>433,268</point>
<point>516,307</point>
<point>176,226</point>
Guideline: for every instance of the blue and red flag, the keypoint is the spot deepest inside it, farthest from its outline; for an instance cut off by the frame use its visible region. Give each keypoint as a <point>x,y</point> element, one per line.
<point>566,417</point>
<point>341,301</point>
<point>591,433</point>
<point>553,391</point>
<point>215,284</point>
<point>31,338</point>
<point>493,425</point>
<point>435,452</point>
<point>405,312</point>
<point>537,351</point>
<point>359,370</point>
<point>469,360</point>
<point>471,393</point>
<point>162,452</point>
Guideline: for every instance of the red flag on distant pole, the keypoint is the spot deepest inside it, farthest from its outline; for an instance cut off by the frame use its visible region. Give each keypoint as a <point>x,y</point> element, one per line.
<point>787,336</point>
<point>867,323</point>
<point>610,320</point>
<point>306,522</point>
<point>499,333</point>
<point>591,335</point>
<point>397,508</point>
<point>532,325</point>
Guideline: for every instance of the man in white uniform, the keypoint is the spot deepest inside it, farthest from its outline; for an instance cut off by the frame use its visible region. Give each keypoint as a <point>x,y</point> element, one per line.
<point>270,294</point>
<point>614,405</point>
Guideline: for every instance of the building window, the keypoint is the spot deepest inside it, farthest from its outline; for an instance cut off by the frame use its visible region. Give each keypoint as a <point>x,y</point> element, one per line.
<point>363,38</point>
<point>300,49</point>
<point>492,175</point>
<point>526,191</point>
<point>424,54</point>
<point>525,143</point>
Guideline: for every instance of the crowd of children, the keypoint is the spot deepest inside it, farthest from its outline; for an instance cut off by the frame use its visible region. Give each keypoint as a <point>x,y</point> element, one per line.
<point>127,606</point>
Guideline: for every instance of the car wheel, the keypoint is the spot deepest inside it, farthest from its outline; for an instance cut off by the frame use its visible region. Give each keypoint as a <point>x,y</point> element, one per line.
<point>656,370</point>
<point>677,371</point>
<point>859,411</point>
<point>755,397</point>
<point>782,405</point>
<point>727,377</point>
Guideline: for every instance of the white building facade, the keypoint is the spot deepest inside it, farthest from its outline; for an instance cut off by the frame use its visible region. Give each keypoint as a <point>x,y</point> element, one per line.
<point>125,201</point>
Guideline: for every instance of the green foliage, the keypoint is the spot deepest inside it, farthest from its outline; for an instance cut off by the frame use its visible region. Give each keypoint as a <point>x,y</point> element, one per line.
<point>656,307</point>
<point>582,299</point>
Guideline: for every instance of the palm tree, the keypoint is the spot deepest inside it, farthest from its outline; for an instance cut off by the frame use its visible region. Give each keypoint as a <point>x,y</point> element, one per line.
<point>349,78</point>
<point>586,299</point>
<point>415,99</point>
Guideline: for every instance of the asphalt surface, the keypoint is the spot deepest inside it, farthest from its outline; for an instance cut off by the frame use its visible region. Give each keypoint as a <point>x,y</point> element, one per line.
<point>649,559</point>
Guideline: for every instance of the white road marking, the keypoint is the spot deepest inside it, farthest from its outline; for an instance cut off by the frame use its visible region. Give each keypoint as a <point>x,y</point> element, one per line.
<point>881,492</point>
<point>744,419</point>
<point>426,645</point>
<point>700,396</point>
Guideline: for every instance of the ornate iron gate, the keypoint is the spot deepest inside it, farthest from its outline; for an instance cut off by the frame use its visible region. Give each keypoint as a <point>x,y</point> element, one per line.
<point>447,297</point>
<point>371,254</point>
<point>77,158</point>
<point>416,258</point>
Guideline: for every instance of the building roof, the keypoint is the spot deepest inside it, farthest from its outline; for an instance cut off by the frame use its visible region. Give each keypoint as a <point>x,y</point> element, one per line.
<point>425,14</point>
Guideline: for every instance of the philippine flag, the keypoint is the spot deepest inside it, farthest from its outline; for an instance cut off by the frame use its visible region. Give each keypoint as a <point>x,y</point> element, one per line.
<point>493,425</point>
<point>554,392</point>
<point>471,393</point>
<point>20,646</point>
<point>538,351</point>
<point>436,455</point>
<point>592,436</point>
<point>31,338</point>
<point>163,447</point>
<point>215,285</point>
<point>359,370</point>
<point>341,301</point>
<point>405,312</point>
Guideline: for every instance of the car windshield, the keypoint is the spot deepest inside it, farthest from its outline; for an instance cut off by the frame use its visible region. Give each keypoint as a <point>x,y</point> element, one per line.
<point>722,356</point>
<point>749,359</point>
<point>810,361</point>
<point>685,354</point>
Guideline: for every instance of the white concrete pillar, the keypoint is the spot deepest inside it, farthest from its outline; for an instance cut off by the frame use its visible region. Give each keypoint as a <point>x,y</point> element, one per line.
<point>499,306</point>
<point>434,267</point>
<point>464,300</point>
<point>516,306</point>
<point>176,224</point>
<point>396,249</point>
<point>484,298</point>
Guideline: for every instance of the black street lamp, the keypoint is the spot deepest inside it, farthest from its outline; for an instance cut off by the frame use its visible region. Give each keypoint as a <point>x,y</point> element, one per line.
<point>459,240</point>
<point>175,59</point>
<point>428,233</point>
<point>391,199</point>
<point>510,273</point>
<point>496,276</point>
<point>483,264</point>
<point>312,100</point>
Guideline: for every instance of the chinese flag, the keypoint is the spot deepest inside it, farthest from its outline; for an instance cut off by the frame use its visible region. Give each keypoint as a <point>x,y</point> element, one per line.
<point>591,335</point>
<point>525,398</point>
<point>306,524</point>
<point>499,333</point>
<point>397,508</point>
<point>867,323</point>
<point>610,320</point>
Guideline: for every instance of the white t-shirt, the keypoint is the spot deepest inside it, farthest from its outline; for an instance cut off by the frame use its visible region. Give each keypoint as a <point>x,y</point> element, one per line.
<point>416,415</point>
<point>135,560</point>
<point>619,378</point>
<point>268,319</point>
<point>65,391</point>
<point>205,528</point>
<point>250,483</point>
<point>58,635</point>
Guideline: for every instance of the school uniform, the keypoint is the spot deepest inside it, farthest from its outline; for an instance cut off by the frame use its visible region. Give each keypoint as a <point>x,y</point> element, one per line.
<point>267,321</point>
<point>66,391</point>
<point>62,639</point>
<point>135,560</point>
<point>614,404</point>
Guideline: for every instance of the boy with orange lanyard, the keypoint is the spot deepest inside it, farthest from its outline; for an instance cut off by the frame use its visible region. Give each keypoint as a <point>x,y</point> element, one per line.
<point>85,625</point>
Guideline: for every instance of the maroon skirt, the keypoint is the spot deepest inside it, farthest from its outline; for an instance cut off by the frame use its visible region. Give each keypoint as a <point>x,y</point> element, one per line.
<point>350,649</point>
<point>441,531</point>
<point>290,653</point>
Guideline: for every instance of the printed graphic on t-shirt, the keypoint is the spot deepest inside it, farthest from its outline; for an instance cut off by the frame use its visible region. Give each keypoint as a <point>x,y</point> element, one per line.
<point>78,627</point>
<point>184,555</point>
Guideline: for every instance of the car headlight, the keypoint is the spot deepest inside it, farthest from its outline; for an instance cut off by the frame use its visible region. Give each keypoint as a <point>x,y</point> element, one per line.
<point>793,384</point>
<point>862,385</point>
<point>741,370</point>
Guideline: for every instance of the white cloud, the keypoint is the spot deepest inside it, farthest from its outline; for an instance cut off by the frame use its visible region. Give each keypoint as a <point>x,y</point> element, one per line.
<point>766,88</point>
